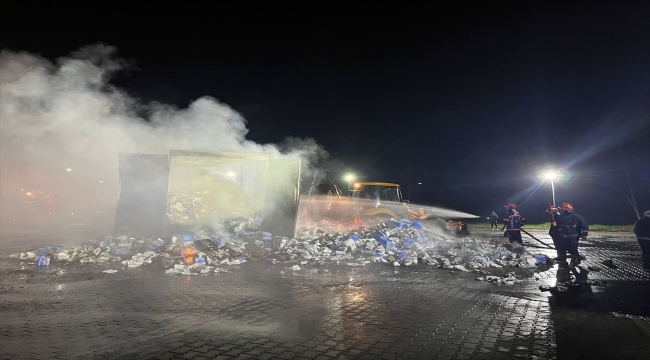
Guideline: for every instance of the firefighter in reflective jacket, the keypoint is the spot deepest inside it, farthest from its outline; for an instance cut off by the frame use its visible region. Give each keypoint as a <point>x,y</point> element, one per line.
<point>570,227</point>
<point>513,221</point>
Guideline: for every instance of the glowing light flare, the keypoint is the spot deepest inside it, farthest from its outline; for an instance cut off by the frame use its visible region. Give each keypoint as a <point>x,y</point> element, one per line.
<point>230,174</point>
<point>68,169</point>
<point>190,255</point>
<point>554,175</point>
<point>357,185</point>
<point>349,177</point>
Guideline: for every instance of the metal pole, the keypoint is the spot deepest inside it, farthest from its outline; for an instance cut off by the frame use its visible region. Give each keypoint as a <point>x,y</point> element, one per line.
<point>553,190</point>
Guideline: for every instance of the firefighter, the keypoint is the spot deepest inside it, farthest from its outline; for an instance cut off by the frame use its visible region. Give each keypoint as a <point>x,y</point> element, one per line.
<point>492,219</point>
<point>570,228</point>
<point>642,232</point>
<point>513,222</point>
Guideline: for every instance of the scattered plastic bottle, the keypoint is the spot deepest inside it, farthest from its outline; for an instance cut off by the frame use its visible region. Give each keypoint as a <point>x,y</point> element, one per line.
<point>42,261</point>
<point>389,245</point>
<point>541,259</point>
<point>155,245</point>
<point>189,238</point>
<point>264,236</point>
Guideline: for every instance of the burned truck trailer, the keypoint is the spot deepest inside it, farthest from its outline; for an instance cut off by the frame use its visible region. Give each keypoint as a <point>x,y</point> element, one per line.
<point>192,189</point>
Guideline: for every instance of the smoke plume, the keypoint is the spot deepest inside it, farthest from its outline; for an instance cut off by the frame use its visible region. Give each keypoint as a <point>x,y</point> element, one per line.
<point>63,125</point>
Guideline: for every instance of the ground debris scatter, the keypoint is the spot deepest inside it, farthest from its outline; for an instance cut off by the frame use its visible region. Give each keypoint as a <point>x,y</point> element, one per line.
<point>205,251</point>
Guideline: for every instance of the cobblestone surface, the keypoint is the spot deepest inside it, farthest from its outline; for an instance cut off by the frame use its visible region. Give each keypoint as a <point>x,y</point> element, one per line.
<point>264,311</point>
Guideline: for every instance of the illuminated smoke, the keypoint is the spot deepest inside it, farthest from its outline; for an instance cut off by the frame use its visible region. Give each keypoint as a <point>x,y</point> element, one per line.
<point>63,125</point>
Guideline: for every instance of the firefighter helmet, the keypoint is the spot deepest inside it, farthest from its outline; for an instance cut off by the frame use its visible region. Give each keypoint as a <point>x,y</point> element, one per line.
<point>511,206</point>
<point>566,207</point>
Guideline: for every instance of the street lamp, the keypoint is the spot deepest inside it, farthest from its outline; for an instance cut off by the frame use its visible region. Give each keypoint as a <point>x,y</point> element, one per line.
<point>550,175</point>
<point>349,178</point>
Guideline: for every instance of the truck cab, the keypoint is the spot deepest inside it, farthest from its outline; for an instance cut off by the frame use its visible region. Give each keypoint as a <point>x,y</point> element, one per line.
<point>378,200</point>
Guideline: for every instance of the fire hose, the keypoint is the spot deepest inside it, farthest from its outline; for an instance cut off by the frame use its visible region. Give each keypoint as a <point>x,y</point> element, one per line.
<point>540,241</point>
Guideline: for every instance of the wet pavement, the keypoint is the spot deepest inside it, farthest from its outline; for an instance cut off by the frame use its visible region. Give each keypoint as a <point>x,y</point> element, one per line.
<point>260,310</point>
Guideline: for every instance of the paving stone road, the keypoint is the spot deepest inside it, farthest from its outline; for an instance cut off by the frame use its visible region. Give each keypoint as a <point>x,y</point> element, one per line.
<point>264,311</point>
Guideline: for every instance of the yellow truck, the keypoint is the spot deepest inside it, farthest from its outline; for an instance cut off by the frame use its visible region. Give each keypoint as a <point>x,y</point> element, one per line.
<point>380,201</point>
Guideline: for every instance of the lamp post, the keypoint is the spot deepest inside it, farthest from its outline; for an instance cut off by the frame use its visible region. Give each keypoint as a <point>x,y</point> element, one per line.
<point>349,178</point>
<point>550,175</point>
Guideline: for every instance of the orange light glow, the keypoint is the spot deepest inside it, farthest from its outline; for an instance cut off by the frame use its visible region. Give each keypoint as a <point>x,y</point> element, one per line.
<point>356,221</point>
<point>190,256</point>
<point>357,185</point>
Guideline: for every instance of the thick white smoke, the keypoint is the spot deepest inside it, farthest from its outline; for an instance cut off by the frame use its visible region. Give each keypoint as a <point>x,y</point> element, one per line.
<point>67,115</point>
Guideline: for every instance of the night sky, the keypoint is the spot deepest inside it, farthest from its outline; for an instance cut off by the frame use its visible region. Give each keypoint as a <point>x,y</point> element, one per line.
<point>471,99</point>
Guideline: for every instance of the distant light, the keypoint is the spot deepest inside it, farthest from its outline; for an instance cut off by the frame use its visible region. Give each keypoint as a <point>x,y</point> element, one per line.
<point>101,181</point>
<point>68,169</point>
<point>349,177</point>
<point>550,175</point>
<point>419,183</point>
<point>230,174</point>
<point>28,194</point>
<point>356,185</point>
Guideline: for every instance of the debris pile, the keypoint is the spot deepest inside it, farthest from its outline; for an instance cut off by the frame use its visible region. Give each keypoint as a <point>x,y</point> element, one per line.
<point>397,242</point>
<point>184,210</point>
